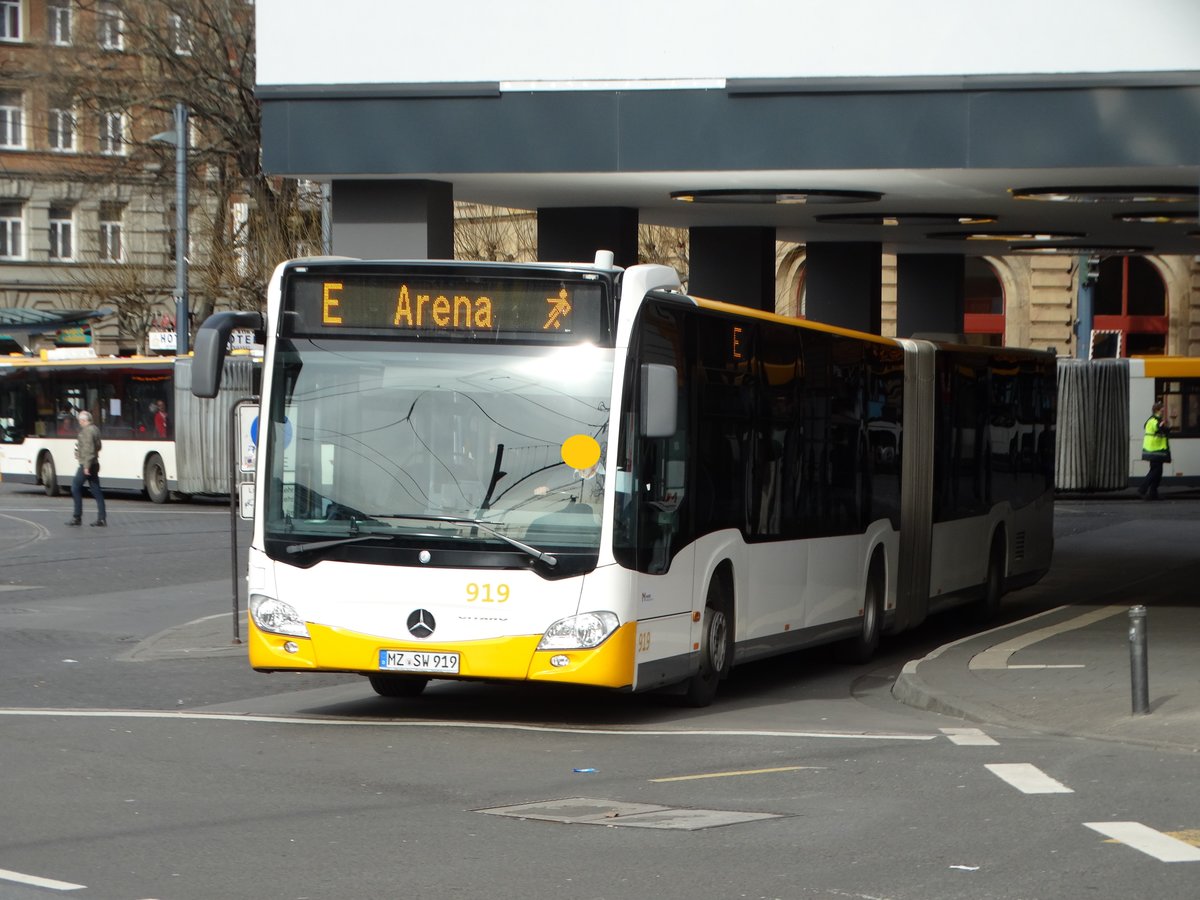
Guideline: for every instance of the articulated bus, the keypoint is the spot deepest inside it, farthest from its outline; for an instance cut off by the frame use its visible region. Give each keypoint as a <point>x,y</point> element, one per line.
<point>580,474</point>
<point>1176,379</point>
<point>158,437</point>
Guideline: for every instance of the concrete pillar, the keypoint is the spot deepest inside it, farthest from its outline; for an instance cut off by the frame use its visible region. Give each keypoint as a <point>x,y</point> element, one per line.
<point>929,294</point>
<point>843,285</point>
<point>574,234</point>
<point>736,265</point>
<point>392,219</point>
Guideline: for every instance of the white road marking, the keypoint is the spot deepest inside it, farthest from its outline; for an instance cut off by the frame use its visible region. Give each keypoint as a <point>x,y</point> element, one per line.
<point>997,657</point>
<point>35,881</point>
<point>1028,779</point>
<point>1141,837</point>
<point>19,587</point>
<point>428,723</point>
<point>969,737</point>
<point>1061,666</point>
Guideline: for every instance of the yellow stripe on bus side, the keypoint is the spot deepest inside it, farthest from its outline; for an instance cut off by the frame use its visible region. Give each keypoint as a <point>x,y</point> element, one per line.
<point>1172,366</point>
<point>750,313</point>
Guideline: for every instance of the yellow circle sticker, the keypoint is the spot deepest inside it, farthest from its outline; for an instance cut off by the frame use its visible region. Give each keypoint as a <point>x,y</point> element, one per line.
<point>581,451</point>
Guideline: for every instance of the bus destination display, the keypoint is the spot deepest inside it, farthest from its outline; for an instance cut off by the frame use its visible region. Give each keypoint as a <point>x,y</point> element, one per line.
<point>449,308</point>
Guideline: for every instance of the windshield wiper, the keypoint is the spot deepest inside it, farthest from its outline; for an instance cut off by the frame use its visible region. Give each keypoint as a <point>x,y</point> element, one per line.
<point>541,556</point>
<point>336,542</point>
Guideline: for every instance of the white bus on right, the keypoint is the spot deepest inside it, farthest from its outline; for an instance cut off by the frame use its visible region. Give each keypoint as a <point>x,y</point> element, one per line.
<point>1176,380</point>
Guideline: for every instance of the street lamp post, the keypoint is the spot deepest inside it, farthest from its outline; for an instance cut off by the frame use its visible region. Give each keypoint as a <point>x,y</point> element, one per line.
<point>179,137</point>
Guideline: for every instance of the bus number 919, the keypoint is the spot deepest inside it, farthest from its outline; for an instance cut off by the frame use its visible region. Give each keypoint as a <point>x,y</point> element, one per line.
<point>487,593</point>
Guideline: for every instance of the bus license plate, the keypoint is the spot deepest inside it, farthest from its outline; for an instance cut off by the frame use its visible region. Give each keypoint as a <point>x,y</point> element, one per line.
<point>435,661</point>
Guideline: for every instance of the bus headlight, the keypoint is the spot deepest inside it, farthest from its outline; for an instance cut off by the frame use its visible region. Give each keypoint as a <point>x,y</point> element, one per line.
<point>579,632</point>
<point>276,616</point>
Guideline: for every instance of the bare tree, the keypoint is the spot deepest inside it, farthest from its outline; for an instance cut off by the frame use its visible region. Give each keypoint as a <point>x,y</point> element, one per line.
<point>666,246</point>
<point>138,291</point>
<point>494,233</point>
<point>155,54</point>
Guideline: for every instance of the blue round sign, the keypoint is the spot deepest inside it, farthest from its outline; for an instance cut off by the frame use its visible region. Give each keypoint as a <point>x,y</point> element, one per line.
<point>287,431</point>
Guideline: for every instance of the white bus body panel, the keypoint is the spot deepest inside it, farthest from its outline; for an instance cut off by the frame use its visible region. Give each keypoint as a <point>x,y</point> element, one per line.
<point>952,569</point>
<point>377,600</point>
<point>122,463</point>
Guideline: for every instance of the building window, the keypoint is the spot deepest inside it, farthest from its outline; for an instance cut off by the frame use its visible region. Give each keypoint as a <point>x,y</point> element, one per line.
<point>12,132</point>
<point>62,233</point>
<point>58,21</point>
<point>10,20</point>
<point>62,129</point>
<point>112,133</point>
<point>111,247</point>
<point>983,304</point>
<point>111,27</point>
<point>1130,299</point>
<point>11,229</point>
<point>181,34</point>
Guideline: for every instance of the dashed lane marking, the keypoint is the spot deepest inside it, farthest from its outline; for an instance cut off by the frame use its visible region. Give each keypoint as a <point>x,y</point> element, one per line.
<point>36,881</point>
<point>1141,837</point>
<point>731,774</point>
<point>969,737</point>
<point>1028,779</point>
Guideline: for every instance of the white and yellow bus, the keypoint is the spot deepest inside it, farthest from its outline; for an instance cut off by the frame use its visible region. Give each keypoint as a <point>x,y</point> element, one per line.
<point>580,474</point>
<point>1176,381</point>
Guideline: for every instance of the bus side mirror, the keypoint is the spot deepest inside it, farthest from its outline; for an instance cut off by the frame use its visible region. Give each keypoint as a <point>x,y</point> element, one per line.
<point>660,394</point>
<point>212,339</point>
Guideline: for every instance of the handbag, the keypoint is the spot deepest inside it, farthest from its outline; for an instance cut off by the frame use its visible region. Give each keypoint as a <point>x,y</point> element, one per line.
<point>1162,456</point>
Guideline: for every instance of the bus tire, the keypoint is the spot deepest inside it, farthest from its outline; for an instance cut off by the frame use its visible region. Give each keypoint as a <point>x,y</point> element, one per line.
<point>154,477</point>
<point>861,647</point>
<point>48,475</point>
<point>716,649</point>
<point>398,685</point>
<point>988,605</point>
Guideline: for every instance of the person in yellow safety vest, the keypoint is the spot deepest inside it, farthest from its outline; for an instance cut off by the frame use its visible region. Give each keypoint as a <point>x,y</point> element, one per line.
<point>1155,450</point>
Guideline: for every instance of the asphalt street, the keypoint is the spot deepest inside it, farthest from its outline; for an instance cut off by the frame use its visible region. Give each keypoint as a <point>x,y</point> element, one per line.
<point>143,759</point>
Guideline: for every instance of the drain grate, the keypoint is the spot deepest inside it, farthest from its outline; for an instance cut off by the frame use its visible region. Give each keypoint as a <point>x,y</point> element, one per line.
<point>615,813</point>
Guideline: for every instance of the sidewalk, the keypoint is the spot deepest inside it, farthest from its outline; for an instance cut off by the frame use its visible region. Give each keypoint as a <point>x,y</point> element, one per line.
<point>200,638</point>
<point>1068,670</point>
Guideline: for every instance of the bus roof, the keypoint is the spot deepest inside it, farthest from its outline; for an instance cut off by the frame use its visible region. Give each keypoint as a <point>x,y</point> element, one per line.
<point>34,362</point>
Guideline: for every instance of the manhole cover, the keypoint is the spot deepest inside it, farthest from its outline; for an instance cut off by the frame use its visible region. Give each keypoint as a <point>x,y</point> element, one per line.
<point>614,813</point>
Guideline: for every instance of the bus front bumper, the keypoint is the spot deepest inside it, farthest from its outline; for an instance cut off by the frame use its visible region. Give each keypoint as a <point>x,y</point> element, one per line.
<point>507,658</point>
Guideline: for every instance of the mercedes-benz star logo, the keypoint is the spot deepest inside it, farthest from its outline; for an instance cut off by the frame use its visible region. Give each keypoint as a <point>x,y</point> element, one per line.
<point>421,623</point>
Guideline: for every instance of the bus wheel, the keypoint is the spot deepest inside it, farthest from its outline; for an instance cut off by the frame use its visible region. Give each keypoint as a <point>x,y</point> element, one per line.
<point>716,650</point>
<point>49,475</point>
<point>154,477</point>
<point>398,685</point>
<point>988,604</point>
<point>862,647</point>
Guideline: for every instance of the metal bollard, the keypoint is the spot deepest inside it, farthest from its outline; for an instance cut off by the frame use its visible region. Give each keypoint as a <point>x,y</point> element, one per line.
<point>1138,665</point>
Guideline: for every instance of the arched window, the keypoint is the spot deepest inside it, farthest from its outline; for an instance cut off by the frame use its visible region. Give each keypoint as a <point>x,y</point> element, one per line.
<point>1130,297</point>
<point>983,304</point>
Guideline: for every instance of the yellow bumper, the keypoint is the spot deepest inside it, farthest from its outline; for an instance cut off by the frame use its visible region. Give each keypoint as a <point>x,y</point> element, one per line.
<point>508,658</point>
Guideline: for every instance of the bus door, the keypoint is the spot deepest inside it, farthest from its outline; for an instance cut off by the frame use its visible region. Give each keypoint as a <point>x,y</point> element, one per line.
<point>653,533</point>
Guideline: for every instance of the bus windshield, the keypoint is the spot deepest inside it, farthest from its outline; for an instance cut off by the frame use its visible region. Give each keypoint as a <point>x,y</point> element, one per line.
<point>434,446</point>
